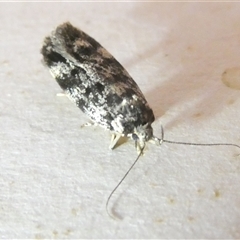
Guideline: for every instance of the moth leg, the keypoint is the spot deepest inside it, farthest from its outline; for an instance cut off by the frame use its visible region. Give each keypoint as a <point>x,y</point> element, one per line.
<point>139,147</point>
<point>156,141</point>
<point>88,124</point>
<point>61,94</point>
<point>114,139</point>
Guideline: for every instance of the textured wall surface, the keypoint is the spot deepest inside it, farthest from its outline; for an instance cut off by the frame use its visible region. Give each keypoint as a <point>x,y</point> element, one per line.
<point>56,176</point>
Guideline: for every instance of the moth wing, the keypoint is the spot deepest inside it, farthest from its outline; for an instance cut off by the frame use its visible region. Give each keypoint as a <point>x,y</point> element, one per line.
<point>95,80</point>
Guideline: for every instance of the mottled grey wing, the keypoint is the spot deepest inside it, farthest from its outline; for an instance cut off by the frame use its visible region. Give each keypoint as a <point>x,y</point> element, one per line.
<point>95,80</point>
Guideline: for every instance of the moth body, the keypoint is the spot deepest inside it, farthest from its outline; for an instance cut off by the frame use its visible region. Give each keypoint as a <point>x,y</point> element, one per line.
<point>98,84</point>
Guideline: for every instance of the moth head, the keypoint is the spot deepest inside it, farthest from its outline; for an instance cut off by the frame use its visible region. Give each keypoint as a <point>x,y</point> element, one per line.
<point>142,133</point>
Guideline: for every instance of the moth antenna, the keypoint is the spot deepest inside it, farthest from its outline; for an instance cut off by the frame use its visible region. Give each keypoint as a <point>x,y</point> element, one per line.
<point>107,203</point>
<point>202,144</point>
<point>162,140</point>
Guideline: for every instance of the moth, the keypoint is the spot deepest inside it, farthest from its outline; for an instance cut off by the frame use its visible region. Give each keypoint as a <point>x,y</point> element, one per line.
<point>98,84</point>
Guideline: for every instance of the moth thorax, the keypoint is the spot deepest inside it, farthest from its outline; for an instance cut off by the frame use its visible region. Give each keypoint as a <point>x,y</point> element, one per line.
<point>143,133</point>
